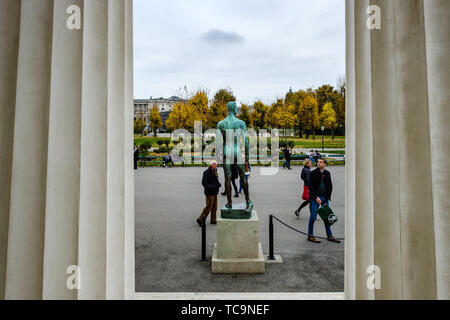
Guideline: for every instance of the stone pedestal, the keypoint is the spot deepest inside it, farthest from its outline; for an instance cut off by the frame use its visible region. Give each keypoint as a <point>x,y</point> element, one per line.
<point>238,249</point>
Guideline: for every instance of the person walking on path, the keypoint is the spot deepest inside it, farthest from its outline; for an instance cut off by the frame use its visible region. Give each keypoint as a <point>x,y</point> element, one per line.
<point>211,184</point>
<point>317,156</point>
<point>306,177</point>
<point>287,158</point>
<point>136,157</point>
<point>320,194</point>
<point>248,170</point>
<point>311,155</point>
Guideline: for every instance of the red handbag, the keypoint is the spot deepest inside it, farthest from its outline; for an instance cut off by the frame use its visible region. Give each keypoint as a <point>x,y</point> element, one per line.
<point>305,195</point>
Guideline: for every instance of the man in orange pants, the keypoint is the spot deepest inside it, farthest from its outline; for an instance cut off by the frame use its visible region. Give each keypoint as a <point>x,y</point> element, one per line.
<point>212,185</point>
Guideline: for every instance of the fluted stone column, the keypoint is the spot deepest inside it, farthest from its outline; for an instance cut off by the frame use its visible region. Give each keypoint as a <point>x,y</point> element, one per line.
<point>63,165</point>
<point>437,26</point>
<point>416,205</point>
<point>350,173</point>
<point>24,266</point>
<point>129,146</point>
<point>9,46</point>
<point>93,175</point>
<point>363,152</point>
<point>67,131</point>
<point>115,258</point>
<point>387,244</point>
<point>400,74</point>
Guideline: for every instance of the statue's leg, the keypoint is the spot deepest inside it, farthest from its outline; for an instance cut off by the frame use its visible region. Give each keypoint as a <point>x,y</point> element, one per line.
<point>227,172</point>
<point>241,170</point>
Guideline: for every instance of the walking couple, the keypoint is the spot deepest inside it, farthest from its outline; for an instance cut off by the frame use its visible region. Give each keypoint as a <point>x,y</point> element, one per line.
<point>316,192</point>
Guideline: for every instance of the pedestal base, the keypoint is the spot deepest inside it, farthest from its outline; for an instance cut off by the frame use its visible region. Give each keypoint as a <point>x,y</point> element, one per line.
<point>238,265</point>
<point>238,211</point>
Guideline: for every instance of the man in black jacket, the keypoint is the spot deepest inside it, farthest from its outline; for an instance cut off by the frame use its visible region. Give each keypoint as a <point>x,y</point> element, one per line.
<point>211,185</point>
<point>320,194</point>
<point>136,157</point>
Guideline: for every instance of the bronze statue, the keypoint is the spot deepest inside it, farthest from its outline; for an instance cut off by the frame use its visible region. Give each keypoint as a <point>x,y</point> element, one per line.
<point>238,126</point>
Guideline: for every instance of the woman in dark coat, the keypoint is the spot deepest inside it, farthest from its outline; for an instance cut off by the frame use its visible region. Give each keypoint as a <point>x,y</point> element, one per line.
<point>306,174</point>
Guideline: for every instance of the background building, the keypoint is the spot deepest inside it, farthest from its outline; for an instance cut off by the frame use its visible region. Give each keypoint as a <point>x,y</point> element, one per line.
<point>165,106</point>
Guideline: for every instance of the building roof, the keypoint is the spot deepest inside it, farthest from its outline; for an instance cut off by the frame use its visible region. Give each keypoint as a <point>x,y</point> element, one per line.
<point>160,99</point>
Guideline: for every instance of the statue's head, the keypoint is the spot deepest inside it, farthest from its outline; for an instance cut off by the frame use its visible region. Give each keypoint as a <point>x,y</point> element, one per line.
<point>232,107</point>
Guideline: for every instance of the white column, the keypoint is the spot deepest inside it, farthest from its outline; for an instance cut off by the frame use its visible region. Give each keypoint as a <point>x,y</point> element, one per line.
<point>66,136</point>
<point>28,180</point>
<point>350,253</point>
<point>63,165</point>
<point>128,153</point>
<point>437,26</point>
<point>115,258</point>
<point>416,205</point>
<point>9,46</point>
<point>363,152</point>
<point>93,167</point>
<point>387,246</point>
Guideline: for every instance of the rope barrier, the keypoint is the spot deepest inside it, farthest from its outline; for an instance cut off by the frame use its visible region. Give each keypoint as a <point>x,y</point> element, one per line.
<point>271,256</point>
<point>306,234</point>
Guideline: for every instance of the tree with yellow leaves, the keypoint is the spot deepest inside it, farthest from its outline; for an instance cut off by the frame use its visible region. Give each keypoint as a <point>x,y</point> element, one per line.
<point>286,117</point>
<point>258,115</point>
<point>218,110</point>
<point>273,114</point>
<point>155,119</point>
<point>181,117</point>
<point>139,124</point>
<point>244,114</point>
<point>328,117</point>
<point>308,114</point>
<point>199,103</point>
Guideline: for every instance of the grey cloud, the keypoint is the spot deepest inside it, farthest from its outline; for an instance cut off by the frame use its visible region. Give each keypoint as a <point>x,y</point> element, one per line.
<point>216,36</point>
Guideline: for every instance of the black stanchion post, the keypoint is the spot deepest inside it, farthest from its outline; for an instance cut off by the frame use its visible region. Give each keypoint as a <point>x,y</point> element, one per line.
<point>204,239</point>
<point>271,256</point>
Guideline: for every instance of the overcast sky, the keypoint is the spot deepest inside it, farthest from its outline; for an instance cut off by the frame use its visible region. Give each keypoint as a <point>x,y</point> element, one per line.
<point>258,48</point>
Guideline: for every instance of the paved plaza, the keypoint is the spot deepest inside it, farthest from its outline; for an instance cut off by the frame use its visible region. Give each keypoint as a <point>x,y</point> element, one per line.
<point>168,240</point>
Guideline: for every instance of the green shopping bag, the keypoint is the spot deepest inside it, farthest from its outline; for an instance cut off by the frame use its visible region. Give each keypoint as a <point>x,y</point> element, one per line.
<point>327,215</point>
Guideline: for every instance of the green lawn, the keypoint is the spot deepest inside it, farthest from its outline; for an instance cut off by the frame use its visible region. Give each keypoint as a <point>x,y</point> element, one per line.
<point>339,141</point>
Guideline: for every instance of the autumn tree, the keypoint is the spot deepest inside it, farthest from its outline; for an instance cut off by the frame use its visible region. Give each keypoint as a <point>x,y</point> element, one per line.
<point>218,109</point>
<point>223,96</point>
<point>295,99</point>
<point>258,115</point>
<point>328,118</point>
<point>139,124</point>
<point>327,93</point>
<point>155,119</point>
<point>272,116</point>
<point>181,117</point>
<point>199,103</point>
<point>286,117</point>
<point>308,114</point>
<point>244,114</point>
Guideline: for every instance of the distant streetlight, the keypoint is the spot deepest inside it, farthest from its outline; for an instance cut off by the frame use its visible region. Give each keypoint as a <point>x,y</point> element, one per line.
<point>323,147</point>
